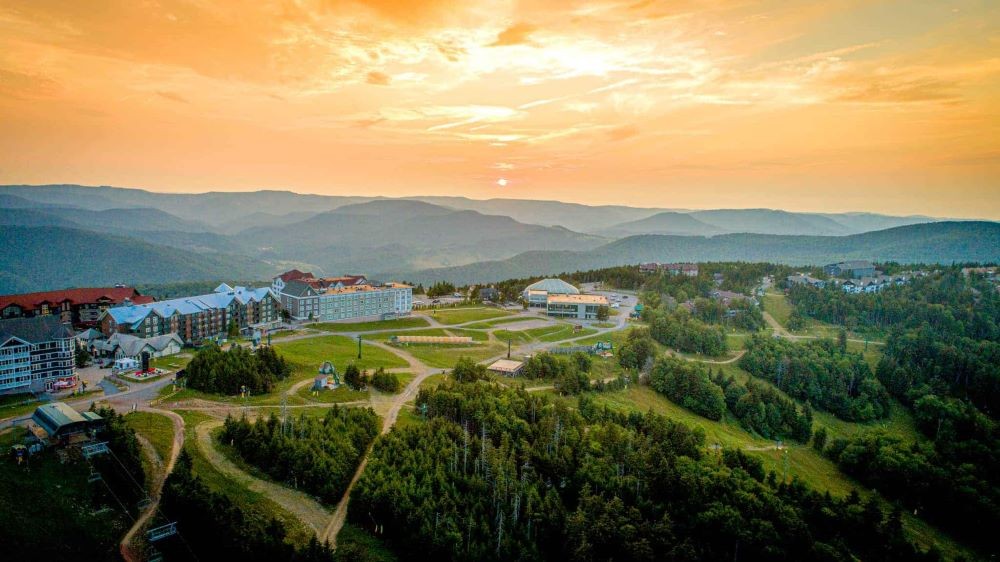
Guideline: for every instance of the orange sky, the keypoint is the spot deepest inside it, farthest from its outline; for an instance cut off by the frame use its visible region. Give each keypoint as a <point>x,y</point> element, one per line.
<point>827,106</point>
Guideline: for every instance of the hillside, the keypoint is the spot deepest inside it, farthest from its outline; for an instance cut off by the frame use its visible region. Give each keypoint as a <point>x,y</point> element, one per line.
<point>55,257</point>
<point>942,242</point>
<point>395,234</point>
<point>667,222</point>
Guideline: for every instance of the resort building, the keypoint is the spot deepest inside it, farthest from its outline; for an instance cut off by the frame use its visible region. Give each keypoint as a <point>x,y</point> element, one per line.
<point>121,346</point>
<point>197,318</point>
<point>351,297</point>
<point>35,354</point>
<point>537,293</point>
<point>855,269</point>
<point>583,307</point>
<point>79,307</point>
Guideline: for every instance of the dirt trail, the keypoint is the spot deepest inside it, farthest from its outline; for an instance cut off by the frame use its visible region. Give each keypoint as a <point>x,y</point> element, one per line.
<point>388,420</point>
<point>125,547</point>
<point>303,506</point>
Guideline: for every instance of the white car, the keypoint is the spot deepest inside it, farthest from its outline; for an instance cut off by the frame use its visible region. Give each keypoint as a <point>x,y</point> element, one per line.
<point>616,305</point>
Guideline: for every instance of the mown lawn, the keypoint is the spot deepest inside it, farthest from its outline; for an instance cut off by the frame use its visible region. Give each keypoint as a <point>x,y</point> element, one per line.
<point>500,321</point>
<point>307,355</point>
<point>462,315</point>
<point>444,356</point>
<point>515,336</point>
<point>384,337</point>
<point>558,332</point>
<point>777,306</point>
<point>157,428</point>
<point>394,324</point>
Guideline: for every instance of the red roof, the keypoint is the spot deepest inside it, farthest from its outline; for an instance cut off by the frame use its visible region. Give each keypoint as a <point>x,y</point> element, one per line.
<point>293,274</point>
<point>115,295</point>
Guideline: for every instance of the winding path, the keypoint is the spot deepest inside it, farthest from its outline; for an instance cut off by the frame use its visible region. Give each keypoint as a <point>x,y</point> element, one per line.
<point>178,443</point>
<point>302,505</point>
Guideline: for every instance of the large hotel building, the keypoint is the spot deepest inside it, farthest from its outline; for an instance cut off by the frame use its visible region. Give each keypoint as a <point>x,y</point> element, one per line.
<point>330,299</point>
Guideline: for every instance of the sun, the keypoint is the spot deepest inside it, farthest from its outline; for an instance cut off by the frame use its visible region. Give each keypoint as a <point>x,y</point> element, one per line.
<point>502,182</point>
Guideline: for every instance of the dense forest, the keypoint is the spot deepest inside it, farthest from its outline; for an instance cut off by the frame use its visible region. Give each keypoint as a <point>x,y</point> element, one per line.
<point>942,359</point>
<point>679,330</point>
<point>764,411</point>
<point>687,383</point>
<point>213,527</point>
<point>820,372</point>
<point>503,474</point>
<point>231,372</point>
<point>318,455</point>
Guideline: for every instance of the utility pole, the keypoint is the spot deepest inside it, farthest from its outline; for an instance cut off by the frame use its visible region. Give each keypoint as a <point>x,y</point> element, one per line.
<point>508,347</point>
<point>359,346</point>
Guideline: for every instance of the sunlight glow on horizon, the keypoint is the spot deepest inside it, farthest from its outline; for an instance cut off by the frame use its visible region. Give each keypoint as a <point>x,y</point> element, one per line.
<point>829,106</point>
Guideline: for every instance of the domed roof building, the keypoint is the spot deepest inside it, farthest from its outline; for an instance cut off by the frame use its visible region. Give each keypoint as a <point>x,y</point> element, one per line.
<point>537,293</point>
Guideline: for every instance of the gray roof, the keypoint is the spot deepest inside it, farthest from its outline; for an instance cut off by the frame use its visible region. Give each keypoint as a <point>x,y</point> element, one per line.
<point>37,329</point>
<point>132,346</point>
<point>298,289</point>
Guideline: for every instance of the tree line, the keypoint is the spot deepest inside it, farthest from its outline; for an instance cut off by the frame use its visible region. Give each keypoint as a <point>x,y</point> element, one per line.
<point>503,474</point>
<point>819,372</point>
<point>680,331</point>
<point>318,455</point>
<point>213,527</point>
<point>231,372</point>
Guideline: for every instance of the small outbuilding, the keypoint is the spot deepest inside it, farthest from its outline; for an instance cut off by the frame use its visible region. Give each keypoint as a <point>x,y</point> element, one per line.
<point>58,420</point>
<point>506,367</point>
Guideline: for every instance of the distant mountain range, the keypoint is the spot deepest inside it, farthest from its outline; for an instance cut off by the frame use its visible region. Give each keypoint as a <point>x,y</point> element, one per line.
<point>941,242</point>
<point>257,234</point>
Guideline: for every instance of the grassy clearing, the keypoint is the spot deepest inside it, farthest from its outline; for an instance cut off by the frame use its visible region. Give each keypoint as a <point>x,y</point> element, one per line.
<point>326,396</point>
<point>463,315</point>
<point>499,321</point>
<point>433,381</point>
<point>306,356</point>
<point>298,533</point>
<point>407,417</point>
<point>354,537</point>
<point>476,335</point>
<point>558,332</point>
<point>171,362</point>
<point>384,337</point>
<point>157,428</point>
<point>15,405</point>
<point>515,336</point>
<point>444,356</point>
<point>394,324</point>
<point>777,306</point>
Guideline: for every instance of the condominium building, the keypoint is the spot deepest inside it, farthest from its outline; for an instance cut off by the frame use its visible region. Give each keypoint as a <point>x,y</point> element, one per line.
<point>197,318</point>
<point>79,307</point>
<point>583,307</point>
<point>353,297</point>
<point>35,353</point>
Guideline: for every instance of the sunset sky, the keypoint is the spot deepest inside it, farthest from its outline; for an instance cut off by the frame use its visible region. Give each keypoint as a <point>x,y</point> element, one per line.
<point>826,106</point>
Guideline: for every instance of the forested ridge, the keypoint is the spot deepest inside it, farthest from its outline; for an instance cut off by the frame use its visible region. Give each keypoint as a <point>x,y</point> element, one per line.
<point>501,474</point>
<point>942,360</point>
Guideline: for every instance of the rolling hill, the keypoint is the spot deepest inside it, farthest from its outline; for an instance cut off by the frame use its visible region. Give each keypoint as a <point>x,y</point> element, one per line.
<point>667,222</point>
<point>57,257</point>
<point>941,242</point>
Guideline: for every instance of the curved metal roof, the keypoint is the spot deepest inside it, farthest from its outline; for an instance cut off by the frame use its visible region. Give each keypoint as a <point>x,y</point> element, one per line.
<point>553,287</point>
